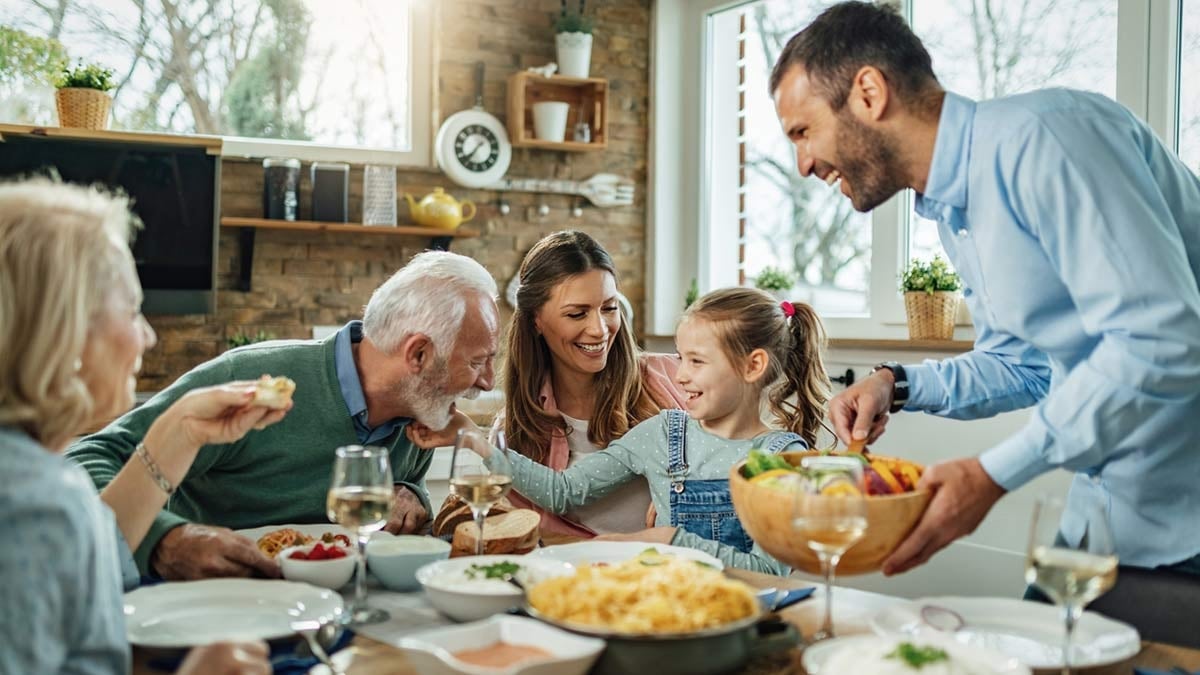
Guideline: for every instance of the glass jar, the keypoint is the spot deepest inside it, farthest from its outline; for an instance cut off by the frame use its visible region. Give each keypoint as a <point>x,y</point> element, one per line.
<point>281,188</point>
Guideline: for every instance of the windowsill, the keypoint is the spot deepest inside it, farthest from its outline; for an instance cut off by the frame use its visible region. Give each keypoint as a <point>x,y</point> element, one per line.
<point>948,346</point>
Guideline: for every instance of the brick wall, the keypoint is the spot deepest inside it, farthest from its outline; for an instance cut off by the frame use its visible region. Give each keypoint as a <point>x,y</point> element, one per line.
<point>301,279</point>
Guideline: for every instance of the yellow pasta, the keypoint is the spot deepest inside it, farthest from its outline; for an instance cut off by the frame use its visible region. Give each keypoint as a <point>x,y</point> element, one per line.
<point>640,596</point>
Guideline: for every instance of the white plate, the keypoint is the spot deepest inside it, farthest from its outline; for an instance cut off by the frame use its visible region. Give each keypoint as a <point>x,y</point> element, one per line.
<point>190,613</point>
<point>314,530</point>
<point>432,652</point>
<point>587,553</point>
<point>860,651</point>
<point>1029,631</point>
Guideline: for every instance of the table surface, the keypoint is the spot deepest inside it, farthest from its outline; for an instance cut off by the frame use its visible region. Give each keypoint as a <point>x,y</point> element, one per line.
<point>852,608</point>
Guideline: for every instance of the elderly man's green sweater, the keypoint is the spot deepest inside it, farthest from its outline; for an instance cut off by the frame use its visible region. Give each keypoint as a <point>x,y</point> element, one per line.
<point>275,476</point>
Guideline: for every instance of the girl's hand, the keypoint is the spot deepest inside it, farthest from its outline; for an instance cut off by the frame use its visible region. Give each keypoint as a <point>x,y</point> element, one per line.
<point>211,415</point>
<point>654,535</point>
<point>426,438</point>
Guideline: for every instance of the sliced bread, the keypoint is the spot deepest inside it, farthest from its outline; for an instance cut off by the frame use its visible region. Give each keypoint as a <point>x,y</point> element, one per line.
<point>513,532</point>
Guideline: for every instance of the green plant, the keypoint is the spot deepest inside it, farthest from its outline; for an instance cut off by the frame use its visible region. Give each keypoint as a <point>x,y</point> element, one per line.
<point>242,339</point>
<point>573,20</point>
<point>773,279</point>
<point>90,76</point>
<point>930,277</point>
<point>693,294</point>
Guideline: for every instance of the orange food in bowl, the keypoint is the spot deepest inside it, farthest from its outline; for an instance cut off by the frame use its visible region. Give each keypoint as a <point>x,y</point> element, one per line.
<point>766,513</point>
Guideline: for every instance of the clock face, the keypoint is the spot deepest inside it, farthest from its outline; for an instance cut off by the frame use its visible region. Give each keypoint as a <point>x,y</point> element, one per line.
<point>476,148</point>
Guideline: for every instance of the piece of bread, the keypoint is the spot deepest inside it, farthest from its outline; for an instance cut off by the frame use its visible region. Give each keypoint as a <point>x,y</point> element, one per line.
<point>514,532</point>
<point>455,511</point>
<point>273,392</point>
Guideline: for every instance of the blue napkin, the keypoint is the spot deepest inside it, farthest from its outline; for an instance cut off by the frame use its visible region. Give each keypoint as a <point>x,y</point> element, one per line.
<point>1148,671</point>
<point>792,597</point>
<point>284,660</point>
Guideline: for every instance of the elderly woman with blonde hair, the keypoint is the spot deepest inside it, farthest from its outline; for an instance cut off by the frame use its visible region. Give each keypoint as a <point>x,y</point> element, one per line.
<point>71,342</point>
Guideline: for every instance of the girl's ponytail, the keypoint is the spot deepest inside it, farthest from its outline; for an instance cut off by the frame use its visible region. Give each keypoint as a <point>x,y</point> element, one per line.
<point>804,375</point>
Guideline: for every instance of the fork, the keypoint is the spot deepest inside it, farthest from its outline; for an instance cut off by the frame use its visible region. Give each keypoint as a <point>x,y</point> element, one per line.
<point>309,630</point>
<point>603,189</point>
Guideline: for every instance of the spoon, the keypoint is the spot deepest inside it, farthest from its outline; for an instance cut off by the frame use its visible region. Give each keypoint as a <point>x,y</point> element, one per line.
<point>943,619</point>
<point>320,635</point>
<point>515,582</point>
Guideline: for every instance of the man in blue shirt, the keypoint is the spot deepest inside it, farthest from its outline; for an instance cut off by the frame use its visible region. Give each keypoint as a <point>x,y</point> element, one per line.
<point>1077,236</point>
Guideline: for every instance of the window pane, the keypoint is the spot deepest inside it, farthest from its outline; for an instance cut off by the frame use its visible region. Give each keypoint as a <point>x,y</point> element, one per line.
<point>327,72</point>
<point>987,48</point>
<point>1189,86</point>
<point>798,225</point>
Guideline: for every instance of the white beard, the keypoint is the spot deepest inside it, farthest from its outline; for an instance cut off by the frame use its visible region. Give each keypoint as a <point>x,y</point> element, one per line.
<point>427,397</point>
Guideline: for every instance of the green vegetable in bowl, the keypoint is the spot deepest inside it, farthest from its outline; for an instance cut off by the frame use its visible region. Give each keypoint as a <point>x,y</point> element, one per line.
<point>758,462</point>
<point>498,570</point>
<point>918,657</point>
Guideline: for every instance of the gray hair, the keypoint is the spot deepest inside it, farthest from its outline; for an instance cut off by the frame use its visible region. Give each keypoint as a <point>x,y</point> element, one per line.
<point>429,296</point>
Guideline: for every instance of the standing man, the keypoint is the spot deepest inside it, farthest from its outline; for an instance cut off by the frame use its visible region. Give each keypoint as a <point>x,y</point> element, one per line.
<point>1077,235</point>
<point>428,336</point>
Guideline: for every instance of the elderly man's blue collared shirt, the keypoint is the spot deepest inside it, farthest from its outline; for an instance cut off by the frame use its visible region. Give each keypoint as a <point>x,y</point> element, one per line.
<point>352,392</point>
<point>1077,235</point>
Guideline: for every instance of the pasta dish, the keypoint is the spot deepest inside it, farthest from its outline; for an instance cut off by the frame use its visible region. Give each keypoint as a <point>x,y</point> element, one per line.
<point>645,595</point>
<point>272,543</point>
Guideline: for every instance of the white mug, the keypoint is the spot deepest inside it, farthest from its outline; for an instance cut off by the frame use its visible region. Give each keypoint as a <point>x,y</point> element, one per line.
<point>550,120</point>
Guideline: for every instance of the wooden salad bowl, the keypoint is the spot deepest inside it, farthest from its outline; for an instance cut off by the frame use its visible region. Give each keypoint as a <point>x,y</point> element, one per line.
<point>766,515</point>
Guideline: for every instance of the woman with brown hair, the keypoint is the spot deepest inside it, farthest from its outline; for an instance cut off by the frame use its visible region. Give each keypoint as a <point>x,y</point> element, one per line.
<point>574,380</point>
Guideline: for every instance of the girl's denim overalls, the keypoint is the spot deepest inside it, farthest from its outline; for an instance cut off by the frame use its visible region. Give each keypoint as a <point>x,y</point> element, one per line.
<point>704,507</point>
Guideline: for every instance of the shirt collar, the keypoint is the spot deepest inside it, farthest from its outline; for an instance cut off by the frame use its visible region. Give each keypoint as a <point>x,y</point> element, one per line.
<point>347,372</point>
<point>947,181</point>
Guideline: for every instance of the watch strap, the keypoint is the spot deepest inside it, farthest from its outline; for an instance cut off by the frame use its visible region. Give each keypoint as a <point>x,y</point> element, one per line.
<point>900,388</point>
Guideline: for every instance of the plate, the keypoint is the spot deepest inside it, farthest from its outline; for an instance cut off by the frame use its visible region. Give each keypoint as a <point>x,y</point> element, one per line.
<point>859,654</point>
<point>591,552</point>
<point>1029,631</point>
<point>314,530</point>
<point>191,613</point>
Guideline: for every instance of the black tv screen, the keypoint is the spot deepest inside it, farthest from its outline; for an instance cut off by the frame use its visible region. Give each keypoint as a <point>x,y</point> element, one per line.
<point>174,192</point>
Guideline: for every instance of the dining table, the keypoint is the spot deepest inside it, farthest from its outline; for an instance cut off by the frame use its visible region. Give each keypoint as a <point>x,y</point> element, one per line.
<point>852,609</point>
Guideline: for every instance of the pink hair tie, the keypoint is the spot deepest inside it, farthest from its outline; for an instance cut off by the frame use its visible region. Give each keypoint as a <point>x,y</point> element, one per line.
<point>789,310</point>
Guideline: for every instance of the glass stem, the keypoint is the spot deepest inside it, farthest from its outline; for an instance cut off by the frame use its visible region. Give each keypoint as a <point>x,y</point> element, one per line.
<point>1070,616</point>
<point>828,563</point>
<point>360,576</point>
<point>479,514</point>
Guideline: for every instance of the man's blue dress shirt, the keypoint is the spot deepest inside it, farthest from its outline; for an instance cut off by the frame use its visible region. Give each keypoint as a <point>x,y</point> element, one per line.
<point>1077,236</point>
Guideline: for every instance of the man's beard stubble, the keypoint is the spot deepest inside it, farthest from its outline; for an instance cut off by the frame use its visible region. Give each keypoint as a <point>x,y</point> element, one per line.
<point>868,158</point>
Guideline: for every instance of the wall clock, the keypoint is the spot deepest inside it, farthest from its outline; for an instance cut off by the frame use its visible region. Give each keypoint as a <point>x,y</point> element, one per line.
<point>472,147</point>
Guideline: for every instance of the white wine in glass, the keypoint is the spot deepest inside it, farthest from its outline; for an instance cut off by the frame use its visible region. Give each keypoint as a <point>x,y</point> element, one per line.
<point>830,516</point>
<point>480,475</point>
<point>1070,576</point>
<point>361,498</point>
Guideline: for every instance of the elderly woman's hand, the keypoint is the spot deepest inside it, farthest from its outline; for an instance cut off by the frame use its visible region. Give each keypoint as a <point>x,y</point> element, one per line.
<point>220,414</point>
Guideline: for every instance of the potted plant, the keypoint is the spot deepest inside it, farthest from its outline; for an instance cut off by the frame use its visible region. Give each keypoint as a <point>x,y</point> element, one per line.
<point>573,41</point>
<point>775,281</point>
<point>82,96</point>
<point>931,298</point>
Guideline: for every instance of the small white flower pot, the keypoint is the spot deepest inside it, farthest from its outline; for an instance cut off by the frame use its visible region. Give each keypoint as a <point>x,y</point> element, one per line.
<point>574,53</point>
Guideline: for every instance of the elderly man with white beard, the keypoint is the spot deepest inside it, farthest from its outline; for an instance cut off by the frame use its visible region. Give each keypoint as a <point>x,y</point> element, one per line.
<point>428,336</point>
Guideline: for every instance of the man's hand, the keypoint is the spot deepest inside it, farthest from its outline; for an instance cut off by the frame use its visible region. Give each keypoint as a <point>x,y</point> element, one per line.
<point>963,494</point>
<point>193,551</point>
<point>861,410</point>
<point>408,514</point>
<point>653,535</point>
<point>228,658</point>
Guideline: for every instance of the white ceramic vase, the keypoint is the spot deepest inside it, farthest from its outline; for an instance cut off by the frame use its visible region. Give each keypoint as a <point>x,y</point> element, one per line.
<point>574,53</point>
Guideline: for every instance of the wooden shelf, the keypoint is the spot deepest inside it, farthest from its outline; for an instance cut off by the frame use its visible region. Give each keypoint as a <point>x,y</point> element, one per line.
<point>904,345</point>
<point>212,144</point>
<point>586,96</point>
<point>438,239</point>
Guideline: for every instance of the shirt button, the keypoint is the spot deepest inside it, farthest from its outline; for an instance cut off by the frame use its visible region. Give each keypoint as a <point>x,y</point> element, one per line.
<point>961,232</point>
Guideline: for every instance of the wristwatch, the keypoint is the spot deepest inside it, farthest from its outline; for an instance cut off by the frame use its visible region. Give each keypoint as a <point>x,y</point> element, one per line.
<point>900,388</point>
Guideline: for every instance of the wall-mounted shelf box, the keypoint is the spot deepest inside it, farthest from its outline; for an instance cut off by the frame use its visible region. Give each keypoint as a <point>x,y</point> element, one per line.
<point>588,100</point>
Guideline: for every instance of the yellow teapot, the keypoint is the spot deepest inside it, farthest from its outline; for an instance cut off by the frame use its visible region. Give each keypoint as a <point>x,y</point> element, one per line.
<point>439,209</point>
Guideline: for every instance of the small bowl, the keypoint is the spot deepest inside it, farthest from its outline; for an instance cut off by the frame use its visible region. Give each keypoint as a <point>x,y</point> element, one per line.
<point>463,599</point>
<point>432,653</point>
<point>332,574</point>
<point>394,559</point>
<point>766,515</point>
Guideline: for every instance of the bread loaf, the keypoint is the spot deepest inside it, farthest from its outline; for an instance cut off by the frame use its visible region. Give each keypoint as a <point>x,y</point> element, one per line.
<point>455,511</point>
<point>513,532</point>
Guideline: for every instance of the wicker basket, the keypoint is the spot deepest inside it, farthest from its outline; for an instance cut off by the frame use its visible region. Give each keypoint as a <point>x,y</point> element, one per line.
<point>82,108</point>
<point>931,315</point>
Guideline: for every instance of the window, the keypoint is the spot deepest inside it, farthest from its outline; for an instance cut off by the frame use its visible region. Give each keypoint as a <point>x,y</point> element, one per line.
<point>300,74</point>
<point>987,49</point>
<point>1189,85</point>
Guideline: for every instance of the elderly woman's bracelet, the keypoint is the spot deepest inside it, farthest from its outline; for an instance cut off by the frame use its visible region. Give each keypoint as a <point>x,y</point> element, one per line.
<point>152,468</point>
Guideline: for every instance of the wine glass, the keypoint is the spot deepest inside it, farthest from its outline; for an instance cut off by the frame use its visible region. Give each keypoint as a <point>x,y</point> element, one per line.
<point>1071,576</point>
<point>361,498</point>
<point>830,516</point>
<point>480,475</point>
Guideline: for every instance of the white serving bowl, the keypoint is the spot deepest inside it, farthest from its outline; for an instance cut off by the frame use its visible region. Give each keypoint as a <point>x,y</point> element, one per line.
<point>394,559</point>
<point>432,653</point>
<point>332,574</point>
<point>461,598</point>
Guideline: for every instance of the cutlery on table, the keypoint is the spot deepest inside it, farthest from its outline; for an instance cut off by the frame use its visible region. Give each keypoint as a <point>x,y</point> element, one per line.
<point>319,635</point>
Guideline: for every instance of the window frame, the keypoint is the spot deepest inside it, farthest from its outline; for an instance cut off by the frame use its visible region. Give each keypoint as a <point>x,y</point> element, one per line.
<point>683,240</point>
